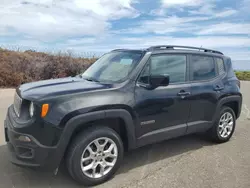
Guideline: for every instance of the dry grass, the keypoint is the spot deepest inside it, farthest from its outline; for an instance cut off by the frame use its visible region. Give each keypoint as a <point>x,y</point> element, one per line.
<point>21,67</point>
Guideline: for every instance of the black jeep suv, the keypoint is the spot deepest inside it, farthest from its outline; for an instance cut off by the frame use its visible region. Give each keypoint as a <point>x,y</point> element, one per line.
<point>126,99</point>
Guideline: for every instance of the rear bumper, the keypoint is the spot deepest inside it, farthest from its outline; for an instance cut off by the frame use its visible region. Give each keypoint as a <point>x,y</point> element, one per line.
<point>29,153</point>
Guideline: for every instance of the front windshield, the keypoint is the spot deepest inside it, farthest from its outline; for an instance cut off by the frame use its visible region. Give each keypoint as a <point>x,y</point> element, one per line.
<point>113,67</point>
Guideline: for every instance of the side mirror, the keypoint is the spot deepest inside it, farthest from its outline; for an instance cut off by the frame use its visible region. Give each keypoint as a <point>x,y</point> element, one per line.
<point>158,80</point>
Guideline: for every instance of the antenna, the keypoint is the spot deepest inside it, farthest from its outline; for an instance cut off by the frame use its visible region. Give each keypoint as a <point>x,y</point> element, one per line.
<point>200,48</point>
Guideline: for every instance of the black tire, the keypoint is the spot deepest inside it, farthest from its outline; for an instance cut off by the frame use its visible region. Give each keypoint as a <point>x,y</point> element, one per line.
<point>79,144</point>
<point>214,134</point>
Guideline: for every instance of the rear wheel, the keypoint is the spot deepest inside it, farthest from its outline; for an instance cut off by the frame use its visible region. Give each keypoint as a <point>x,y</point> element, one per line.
<point>95,155</point>
<point>224,127</point>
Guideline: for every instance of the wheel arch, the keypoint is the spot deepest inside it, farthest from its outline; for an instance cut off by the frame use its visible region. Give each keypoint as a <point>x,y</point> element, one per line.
<point>84,121</point>
<point>233,102</point>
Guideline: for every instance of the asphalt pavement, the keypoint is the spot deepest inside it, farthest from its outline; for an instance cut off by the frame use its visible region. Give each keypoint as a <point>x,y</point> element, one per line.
<point>190,161</point>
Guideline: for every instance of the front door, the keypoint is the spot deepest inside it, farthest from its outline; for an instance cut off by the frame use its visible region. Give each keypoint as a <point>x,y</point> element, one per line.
<point>163,112</point>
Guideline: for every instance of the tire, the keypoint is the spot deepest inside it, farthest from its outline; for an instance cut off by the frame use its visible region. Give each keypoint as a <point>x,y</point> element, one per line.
<point>216,132</point>
<point>82,147</point>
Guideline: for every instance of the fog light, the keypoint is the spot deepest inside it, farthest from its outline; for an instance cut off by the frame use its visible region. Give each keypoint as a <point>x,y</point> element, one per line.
<point>24,138</point>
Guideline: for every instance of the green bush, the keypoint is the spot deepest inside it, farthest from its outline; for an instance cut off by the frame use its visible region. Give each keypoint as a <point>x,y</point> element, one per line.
<point>21,67</point>
<point>243,75</point>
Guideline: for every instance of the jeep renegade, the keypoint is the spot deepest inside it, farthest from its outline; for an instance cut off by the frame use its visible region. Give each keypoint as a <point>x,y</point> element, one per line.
<point>126,99</point>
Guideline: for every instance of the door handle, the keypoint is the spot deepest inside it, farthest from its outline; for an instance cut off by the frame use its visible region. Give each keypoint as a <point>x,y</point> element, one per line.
<point>183,93</point>
<point>218,88</point>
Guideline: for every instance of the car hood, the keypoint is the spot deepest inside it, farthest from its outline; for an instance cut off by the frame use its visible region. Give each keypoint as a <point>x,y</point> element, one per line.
<point>55,87</point>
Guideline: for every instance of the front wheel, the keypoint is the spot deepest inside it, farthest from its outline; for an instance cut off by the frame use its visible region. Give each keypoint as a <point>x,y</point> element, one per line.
<point>224,127</point>
<point>94,156</point>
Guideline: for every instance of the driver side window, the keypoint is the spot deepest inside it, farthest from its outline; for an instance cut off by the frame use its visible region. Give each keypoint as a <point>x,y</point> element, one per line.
<point>164,64</point>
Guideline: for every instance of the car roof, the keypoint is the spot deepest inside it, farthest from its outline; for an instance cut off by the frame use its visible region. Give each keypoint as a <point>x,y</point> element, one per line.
<point>187,52</point>
<point>178,49</point>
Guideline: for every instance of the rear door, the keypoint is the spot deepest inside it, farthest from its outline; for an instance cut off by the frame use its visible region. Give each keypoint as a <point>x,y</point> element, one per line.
<point>205,74</point>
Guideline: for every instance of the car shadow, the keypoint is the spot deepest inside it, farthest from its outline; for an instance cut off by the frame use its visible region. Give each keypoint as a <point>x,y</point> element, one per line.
<point>13,176</point>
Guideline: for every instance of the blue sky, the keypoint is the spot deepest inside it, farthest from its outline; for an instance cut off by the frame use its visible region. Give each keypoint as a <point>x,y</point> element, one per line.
<point>101,25</point>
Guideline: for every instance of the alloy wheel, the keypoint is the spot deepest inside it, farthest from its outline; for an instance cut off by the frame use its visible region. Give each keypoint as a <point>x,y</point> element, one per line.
<point>226,124</point>
<point>99,157</point>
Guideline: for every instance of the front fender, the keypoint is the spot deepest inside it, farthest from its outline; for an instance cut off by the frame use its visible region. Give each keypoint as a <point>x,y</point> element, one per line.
<point>81,120</point>
<point>129,124</point>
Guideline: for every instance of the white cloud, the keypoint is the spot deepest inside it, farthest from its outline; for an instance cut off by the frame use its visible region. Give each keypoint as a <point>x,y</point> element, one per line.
<point>23,44</point>
<point>231,46</point>
<point>81,41</point>
<point>41,2</point>
<point>183,3</point>
<point>216,42</point>
<point>226,13</point>
<point>158,12</point>
<point>179,5</point>
<point>225,28</point>
<point>206,42</point>
<point>238,55</point>
<point>49,19</point>
<point>205,9</point>
<point>245,7</point>
<point>193,7</point>
<point>246,3</point>
<point>190,24</point>
<point>85,25</point>
<point>209,9</point>
<point>167,25</point>
<point>110,9</point>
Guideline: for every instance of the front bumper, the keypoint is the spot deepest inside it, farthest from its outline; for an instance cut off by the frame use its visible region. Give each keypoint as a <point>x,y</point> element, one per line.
<point>29,153</point>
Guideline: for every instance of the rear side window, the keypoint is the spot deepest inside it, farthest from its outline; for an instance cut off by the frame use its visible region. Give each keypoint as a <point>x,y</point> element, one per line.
<point>220,65</point>
<point>202,68</point>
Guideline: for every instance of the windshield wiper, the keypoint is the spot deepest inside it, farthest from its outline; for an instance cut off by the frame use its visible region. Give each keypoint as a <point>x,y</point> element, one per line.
<point>80,75</point>
<point>92,79</point>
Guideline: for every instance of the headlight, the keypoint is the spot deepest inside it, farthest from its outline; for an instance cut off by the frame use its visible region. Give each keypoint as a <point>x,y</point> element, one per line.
<point>31,109</point>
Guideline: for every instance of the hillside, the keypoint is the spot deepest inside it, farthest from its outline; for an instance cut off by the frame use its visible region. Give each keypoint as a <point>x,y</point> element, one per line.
<point>21,67</point>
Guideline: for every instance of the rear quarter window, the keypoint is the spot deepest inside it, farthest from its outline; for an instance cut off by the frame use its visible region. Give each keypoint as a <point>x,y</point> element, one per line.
<point>220,65</point>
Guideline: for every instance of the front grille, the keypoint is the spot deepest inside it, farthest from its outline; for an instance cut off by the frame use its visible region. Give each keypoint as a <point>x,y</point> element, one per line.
<point>17,104</point>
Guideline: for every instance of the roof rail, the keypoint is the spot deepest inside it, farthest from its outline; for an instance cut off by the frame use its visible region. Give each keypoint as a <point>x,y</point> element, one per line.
<point>124,49</point>
<point>118,49</point>
<point>172,47</point>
